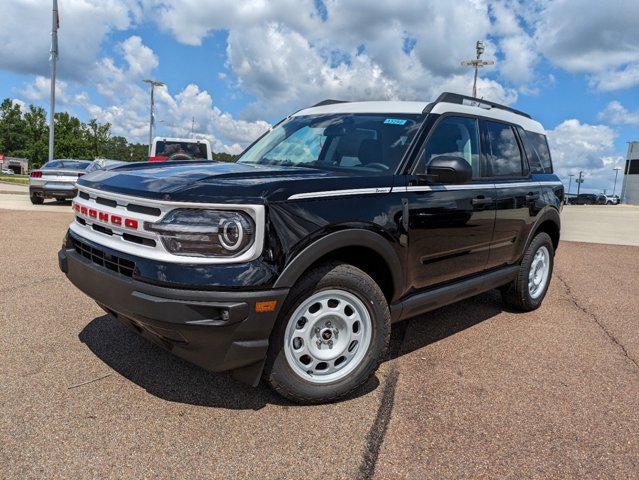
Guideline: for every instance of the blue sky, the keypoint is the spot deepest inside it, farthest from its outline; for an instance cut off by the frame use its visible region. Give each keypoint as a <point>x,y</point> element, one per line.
<point>238,67</point>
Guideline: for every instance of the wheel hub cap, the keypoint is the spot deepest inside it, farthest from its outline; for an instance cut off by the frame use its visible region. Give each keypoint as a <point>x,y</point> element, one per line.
<point>327,336</point>
<point>539,272</point>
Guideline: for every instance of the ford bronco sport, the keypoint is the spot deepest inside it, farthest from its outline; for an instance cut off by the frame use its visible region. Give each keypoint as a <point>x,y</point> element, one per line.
<point>292,263</point>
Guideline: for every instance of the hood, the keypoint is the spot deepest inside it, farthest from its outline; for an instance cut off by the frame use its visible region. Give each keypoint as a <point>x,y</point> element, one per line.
<point>220,182</point>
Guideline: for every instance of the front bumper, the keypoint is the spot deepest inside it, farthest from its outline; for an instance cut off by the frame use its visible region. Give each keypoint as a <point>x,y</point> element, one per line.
<point>216,330</point>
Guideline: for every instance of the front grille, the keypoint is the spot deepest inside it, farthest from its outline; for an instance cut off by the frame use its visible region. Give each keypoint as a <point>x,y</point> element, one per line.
<point>112,262</point>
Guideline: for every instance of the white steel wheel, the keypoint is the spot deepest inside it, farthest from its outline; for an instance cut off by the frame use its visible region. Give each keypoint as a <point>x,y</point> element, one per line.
<point>327,336</point>
<point>539,272</point>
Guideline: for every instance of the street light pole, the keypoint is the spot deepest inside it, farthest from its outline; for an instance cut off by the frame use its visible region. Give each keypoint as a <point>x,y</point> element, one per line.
<point>580,180</point>
<point>569,182</point>
<point>153,84</point>
<point>477,63</point>
<point>55,24</point>
<point>614,187</point>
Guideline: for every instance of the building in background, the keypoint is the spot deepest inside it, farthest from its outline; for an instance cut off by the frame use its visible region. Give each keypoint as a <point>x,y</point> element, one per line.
<point>19,166</point>
<point>630,184</point>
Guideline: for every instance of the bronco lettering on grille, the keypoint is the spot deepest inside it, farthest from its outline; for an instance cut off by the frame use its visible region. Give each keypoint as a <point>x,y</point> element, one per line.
<point>106,217</point>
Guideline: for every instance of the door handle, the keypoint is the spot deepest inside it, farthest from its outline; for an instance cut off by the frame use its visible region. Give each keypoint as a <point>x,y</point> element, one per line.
<point>532,196</point>
<point>481,200</point>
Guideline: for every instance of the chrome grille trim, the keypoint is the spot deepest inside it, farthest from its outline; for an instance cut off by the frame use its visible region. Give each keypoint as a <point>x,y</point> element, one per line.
<point>157,252</point>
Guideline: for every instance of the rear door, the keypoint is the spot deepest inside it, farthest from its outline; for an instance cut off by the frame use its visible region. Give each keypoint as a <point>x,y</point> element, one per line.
<point>450,226</point>
<point>517,195</point>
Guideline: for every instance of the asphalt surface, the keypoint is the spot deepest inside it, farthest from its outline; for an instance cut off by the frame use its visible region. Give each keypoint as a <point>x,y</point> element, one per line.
<point>470,390</point>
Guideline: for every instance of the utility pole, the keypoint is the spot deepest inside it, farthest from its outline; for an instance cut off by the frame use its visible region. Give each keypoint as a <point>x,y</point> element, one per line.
<point>153,84</point>
<point>569,182</point>
<point>614,187</point>
<point>55,24</point>
<point>477,63</point>
<point>579,181</point>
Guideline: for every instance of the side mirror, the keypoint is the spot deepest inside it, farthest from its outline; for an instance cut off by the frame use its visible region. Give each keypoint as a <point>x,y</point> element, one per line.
<point>449,169</point>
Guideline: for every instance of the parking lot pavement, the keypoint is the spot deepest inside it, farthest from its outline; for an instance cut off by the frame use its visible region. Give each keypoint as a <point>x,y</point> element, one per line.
<point>18,201</point>
<point>12,188</point>
<point>610,224</point>
<point>470,390</point>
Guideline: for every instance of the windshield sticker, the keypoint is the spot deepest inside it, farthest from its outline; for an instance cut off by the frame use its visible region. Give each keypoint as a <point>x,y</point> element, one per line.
<point>394,121</point>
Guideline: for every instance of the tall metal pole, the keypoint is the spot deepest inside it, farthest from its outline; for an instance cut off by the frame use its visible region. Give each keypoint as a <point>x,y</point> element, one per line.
<point>569,182</point>
<point>153,84</point>
<point>151,120</point>
<point>53,58</point>
<point>477,63</point>
<point>614,187</point>
<point>579,182</point>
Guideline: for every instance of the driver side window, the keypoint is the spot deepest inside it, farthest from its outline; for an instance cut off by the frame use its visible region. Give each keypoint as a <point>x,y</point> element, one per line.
<point>453,136</point>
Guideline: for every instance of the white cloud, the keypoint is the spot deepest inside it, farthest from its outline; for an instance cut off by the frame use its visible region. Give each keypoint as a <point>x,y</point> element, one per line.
<point>617,114</point>
<point>290,54</point>
<point>140,58</point>
<point>616,79</point>
<point>589,36</point>
<point>577,146</point>
<point>25,38</point>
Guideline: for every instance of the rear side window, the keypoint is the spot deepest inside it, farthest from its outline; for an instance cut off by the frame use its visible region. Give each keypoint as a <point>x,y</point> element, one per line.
<point>536,147</point>
<point>454,136</point>
<point>503,158</point>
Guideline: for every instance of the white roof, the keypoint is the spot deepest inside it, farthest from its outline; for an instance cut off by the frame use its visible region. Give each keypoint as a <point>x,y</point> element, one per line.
<point>366,107</point>
<point>391,107</point>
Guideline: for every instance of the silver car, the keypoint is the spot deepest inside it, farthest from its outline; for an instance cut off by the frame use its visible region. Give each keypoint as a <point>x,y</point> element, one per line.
<point>56,179</point>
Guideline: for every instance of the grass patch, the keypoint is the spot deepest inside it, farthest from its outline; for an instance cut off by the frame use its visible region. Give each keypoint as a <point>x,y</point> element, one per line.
<point>15,179</point>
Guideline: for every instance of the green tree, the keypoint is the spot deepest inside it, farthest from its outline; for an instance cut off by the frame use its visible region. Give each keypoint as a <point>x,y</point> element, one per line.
<point>12,136</point>
<point>98,137</point>
<point>71,138</point>
<point>36,131</point>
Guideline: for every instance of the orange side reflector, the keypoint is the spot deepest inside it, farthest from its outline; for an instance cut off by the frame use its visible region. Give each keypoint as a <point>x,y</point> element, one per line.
<point>265,306</point>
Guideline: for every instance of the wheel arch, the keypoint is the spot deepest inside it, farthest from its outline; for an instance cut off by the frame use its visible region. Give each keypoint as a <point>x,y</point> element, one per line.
<point>550,223</point>
<point>367,250</point>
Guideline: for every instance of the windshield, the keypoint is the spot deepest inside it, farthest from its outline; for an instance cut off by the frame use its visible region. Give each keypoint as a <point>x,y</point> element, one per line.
<point>368,143</point>
<point>70,164</point>
<point>169,148</point>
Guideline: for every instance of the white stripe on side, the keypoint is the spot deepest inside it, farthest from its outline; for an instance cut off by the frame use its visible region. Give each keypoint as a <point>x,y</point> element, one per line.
<point>340,193</point>
<point>420,188</point>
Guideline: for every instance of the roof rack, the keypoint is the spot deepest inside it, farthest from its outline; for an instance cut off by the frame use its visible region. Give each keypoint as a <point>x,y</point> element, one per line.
<point>328,102</point>
<point>475,102</point>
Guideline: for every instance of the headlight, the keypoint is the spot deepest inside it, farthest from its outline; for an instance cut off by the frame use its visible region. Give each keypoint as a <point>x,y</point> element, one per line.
<point>205,233</point>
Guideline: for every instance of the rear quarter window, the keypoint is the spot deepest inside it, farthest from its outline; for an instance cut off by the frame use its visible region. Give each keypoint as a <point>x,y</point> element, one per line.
<point>536,146</point>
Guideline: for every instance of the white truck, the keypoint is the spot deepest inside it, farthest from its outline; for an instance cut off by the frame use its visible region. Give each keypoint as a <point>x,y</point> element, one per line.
<point>164,149</point>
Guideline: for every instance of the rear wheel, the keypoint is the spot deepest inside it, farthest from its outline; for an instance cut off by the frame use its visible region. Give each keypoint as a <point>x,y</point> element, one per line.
<point>36,200</point>
<point>331,336</point>
<point>528,290</point>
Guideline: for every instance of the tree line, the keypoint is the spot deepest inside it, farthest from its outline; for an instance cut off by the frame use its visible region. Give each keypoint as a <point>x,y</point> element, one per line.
<point>24,132</point>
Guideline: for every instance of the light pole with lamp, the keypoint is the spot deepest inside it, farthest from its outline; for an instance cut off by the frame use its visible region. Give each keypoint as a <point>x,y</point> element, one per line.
<point>153,84</point>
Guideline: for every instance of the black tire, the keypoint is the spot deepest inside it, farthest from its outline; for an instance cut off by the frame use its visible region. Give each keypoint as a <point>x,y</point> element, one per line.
<point>516,294</point>
<point>36,200</point>
<point>333,275</point>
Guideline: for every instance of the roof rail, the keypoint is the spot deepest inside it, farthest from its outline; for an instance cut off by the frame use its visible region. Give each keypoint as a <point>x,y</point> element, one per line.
<point>328,102</point>
<point>475,102</point>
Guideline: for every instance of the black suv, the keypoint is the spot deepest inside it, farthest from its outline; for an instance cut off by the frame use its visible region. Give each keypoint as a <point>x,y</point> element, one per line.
<point>292,263</point>
<point>586,199</point>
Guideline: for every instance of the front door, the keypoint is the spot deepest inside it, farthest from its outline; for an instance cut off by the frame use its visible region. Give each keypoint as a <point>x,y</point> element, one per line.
<point>450,226</point>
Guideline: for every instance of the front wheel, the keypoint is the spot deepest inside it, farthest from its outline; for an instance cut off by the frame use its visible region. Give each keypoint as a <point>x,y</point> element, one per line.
<point>37,200</point>
<point>528,290</point>
<point>331,336</point>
